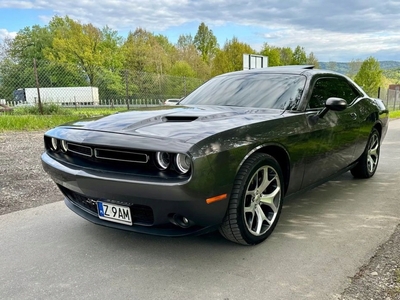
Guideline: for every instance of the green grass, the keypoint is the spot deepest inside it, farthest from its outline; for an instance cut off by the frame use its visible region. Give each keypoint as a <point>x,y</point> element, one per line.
<point>28,118</point>
<point>395,114</point>
<point>32,122</point>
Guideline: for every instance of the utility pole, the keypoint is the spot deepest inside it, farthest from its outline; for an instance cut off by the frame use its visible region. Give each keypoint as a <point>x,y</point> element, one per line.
<point>37,86</point>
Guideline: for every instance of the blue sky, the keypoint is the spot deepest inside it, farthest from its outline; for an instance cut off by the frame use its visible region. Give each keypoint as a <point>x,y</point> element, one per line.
<point>340,30</point>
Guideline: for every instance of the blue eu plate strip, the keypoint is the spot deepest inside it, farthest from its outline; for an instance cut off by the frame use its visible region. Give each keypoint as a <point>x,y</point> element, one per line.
<point>100,208</point>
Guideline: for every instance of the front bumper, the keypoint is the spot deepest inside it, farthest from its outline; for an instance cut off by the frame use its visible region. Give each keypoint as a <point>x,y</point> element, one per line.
<point>161,200</point>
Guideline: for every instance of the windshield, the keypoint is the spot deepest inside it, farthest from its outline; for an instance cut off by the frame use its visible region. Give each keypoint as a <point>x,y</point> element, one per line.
<point>279,91</point>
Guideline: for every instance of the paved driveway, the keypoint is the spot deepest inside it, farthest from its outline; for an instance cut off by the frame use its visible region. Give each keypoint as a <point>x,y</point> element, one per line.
<point>322,239</point>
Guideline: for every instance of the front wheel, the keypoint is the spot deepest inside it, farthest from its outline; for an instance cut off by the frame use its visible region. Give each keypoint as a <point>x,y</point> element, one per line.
<point>368,162</point>
<point>256,201</point>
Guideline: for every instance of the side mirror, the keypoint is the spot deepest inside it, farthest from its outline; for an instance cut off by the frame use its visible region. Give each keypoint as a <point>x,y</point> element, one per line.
<point>333,103</point>
<point>336,104</point>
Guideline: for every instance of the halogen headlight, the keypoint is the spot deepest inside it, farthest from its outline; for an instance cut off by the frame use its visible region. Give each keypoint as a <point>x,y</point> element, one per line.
<point>64,146</point>
<point>182,163</point>
<point>54,144</point>
<point>163,160</point>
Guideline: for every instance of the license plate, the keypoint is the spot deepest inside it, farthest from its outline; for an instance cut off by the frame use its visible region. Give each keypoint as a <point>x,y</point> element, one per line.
<point>114,213</point>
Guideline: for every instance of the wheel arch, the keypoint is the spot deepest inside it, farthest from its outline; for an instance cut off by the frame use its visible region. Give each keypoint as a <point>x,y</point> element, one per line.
<point>378,126</point>
<point>277,152</point>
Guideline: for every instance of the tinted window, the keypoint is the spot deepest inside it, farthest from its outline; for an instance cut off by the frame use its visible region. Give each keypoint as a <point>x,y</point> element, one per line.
<point>325,88</point>
<point>280,91</point>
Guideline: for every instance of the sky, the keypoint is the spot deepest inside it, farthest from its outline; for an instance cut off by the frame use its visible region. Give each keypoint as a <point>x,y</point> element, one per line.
<point>338,30</point>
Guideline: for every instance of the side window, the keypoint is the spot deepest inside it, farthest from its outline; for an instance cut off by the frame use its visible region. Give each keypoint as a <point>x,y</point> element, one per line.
<point>325,88</point>
<point>322,90</point>
<point>346,91</point>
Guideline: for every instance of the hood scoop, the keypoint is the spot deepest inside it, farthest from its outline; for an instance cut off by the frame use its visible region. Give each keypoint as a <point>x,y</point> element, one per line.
<point>179,118</point>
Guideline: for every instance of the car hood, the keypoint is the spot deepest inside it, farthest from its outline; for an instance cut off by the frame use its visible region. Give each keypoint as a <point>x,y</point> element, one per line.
<point>187,124</point>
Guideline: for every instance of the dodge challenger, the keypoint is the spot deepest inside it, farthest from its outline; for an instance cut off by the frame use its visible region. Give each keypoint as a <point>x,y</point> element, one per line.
<point>225,158</point>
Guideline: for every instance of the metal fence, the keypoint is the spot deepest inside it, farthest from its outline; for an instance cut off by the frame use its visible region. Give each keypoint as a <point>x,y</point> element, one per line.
<point>22,83</point>
<point>391,98</point>
<point>69,85</point>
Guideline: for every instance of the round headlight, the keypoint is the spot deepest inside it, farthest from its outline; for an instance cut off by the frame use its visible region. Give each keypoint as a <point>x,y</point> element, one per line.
<point>54,144</point>
<point>182,163</point>
<point>163,160</point>
<point>64,146</point>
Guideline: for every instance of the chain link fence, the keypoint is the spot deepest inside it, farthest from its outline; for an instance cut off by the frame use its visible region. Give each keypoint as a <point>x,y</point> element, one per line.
<point>23,83</point>
<point>69,85</point>
<point>390,97</point>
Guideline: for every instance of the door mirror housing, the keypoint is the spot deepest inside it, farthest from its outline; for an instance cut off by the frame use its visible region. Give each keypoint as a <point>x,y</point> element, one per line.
<point>333,103</point>
<point>336,104</point>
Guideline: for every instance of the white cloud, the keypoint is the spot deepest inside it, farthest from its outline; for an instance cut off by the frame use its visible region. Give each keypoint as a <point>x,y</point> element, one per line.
<point>332,29</point>
<point>4,33</point>
<point>336,46</point>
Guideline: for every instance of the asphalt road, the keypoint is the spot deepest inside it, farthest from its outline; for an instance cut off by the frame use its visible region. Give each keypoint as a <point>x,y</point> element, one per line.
<point>322,239</point>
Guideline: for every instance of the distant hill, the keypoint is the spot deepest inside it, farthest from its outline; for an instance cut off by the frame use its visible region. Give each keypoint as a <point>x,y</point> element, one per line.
<point>343,67</point>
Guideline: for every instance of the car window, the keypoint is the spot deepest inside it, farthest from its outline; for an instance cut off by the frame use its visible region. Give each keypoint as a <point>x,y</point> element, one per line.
<point>325,88</point>
<point>279,91</point>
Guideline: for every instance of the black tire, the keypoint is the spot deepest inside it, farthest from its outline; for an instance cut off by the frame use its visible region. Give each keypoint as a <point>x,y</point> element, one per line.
<point>250,217</point>
<point>368,162</point>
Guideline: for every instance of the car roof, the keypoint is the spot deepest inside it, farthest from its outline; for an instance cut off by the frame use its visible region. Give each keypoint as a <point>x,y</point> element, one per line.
<point>291,69</point>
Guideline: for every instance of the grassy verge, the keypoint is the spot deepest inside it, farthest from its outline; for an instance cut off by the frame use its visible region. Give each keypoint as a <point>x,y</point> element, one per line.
<point>28,118</point>
<point>32,122</point>
<point>395,114</point>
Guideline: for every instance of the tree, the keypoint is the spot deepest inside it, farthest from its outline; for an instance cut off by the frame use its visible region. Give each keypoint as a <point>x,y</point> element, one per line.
<point>230,58</point>
<point>78,43</point>
<point>369,77</point>
<point>312,60</point>
<point>354,67</point>
<point>205,42</point>
<point>299,56</point>
<point>110,47</point>
<point>185,41</point>
<point>273,54</point>
<point>30,43</point>
<point>286,56</point>
<point>187,52</point>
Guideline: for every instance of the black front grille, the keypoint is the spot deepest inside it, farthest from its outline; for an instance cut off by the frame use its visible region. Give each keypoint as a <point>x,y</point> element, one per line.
<point>79,149</point>
<point>141,214</point>
<point>108,154</point>
<point>127,156</point>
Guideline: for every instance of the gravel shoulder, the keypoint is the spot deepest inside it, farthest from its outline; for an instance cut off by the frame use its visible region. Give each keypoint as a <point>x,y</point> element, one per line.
<point>24,184</point>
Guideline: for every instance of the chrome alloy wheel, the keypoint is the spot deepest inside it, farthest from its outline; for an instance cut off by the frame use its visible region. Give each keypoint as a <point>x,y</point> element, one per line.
<point>373,153</point>
<point>262,200</point>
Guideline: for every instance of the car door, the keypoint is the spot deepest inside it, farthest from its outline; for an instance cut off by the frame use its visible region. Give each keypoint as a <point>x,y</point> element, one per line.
<point>331,139</point>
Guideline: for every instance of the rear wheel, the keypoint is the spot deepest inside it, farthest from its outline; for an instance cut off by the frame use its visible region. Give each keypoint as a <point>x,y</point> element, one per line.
<point>256,201</point>
<point>368,162</point>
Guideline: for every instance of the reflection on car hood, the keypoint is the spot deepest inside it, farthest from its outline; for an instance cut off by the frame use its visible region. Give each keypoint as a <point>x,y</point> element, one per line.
<point>183,123</point>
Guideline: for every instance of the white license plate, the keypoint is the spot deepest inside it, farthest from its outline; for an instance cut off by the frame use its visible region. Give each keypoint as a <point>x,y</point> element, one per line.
<point>114,213</point>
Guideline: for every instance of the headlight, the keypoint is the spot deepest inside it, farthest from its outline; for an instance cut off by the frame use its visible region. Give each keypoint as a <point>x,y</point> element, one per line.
<point>163,160</point>
<point>64,146</point>
<point>54,144</point>
<point>182,163</point>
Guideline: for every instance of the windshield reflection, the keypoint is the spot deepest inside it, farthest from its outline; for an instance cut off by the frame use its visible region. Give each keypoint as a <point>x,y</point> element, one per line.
<point>279,91</point>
